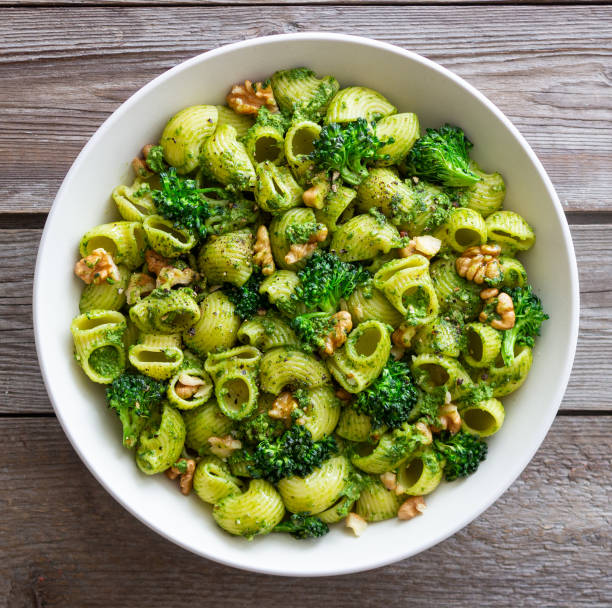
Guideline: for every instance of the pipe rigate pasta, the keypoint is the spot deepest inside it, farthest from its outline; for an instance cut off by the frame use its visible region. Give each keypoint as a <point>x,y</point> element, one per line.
<point>134,202</point>
<point>217,327</point>
<point>317,491</point>
<point>363,237</point>
<point>376,503</point>
<point>484,418</point>
<point>125,241</point>
<point>241,122</point>
<point>358,363</point>
<point>185,134</point>
<point>421,474</point>
<point>339,367</point>
<point>204,422</point>
<point>404,130</point>
<point>285,366</point>
<point>225,158</point>
<point>105,296</point>
<point>157,355</point>
<point>213,480</point>
<point>255,511</point>
<point>98,343</point>
<point>161,441</point>
<point>358,102</point>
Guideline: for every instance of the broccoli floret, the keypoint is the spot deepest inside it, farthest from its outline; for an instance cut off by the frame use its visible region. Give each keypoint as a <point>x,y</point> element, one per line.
<point>247,298</point>
<point>133,396</point>
<point>301,233</point>
<point>260,428</point>
<point>348,149</point>
<point>312,329</point>
<point>390,398</point>
<point>155,160</point>
<point>529,316</point>
<point>181,201</point>
<point>294,453</point>
<point>302,525</point>
<point>326,279</point>
<point>462,453</point>
<point>442,157</point>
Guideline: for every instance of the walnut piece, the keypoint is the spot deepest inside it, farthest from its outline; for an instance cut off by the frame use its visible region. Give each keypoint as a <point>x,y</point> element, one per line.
<point>97,267</point>
<point>168,275</point>
<point>449,417</point>
<point>403,335</point>
<point>155,262</point>
<point>356,523</point>
<point>186,480</point>
<point>505,310</point>
<point>426,246</point>
<point>487,294</point>
<point>343,323</point>
<point>283,406</point>
<point>224,446</point>
<point>262,252</point>
<point>314,197</point>
<point>141,169</point>
<point>389,480</point>
<point>189,386</point>
<point>298,251</point>
<point>413,506</point>
<point>247,98</point>
<point>425,431</point>
<point>479,262</point>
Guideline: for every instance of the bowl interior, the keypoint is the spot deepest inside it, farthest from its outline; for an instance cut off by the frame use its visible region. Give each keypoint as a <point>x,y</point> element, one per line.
<point>412,84</point>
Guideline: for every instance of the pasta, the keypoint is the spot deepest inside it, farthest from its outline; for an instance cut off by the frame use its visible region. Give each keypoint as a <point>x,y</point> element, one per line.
<point>306,311</point>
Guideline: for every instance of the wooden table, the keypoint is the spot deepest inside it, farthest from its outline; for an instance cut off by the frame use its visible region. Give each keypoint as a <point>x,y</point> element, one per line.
<point>66,65</point>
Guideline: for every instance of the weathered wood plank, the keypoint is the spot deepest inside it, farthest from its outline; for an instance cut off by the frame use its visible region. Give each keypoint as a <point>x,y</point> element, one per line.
<point>175,3</point>
<point>66,542</point>
<point>22,390</point>
<point>63,74</point>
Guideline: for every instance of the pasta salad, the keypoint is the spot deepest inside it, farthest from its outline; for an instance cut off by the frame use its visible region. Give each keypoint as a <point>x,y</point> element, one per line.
<point>310,309</point>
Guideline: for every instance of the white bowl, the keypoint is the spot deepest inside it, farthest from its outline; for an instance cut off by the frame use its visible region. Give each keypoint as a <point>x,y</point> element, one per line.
<point>413,84</point>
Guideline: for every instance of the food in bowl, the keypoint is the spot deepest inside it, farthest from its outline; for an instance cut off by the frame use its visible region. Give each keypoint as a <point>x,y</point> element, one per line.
<point>310,309</point>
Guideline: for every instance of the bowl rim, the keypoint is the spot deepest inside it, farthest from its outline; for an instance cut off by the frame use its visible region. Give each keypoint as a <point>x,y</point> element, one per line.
<point>519,464</point>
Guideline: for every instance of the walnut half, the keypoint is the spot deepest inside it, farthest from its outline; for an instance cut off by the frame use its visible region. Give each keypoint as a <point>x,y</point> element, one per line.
<point>283,406</point>
<point>247,98</point>
<point>343,323</point>
<point>186,478</point>
<point>97,267</point>
<point>262,252</point>
<point>479,262</point>
<point>415,505</point>
<point>298,251</point>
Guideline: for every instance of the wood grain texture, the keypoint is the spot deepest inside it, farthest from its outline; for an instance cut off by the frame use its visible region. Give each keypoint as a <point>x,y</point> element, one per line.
<point>66,542</point>
<point>175,3</point>
<point>548,68</point>
<point>22,390</point>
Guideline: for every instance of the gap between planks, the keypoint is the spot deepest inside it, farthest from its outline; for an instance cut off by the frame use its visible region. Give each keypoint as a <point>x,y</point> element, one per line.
<point>62,77</point>
<point>67,542</point>
<point>22,390</point>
